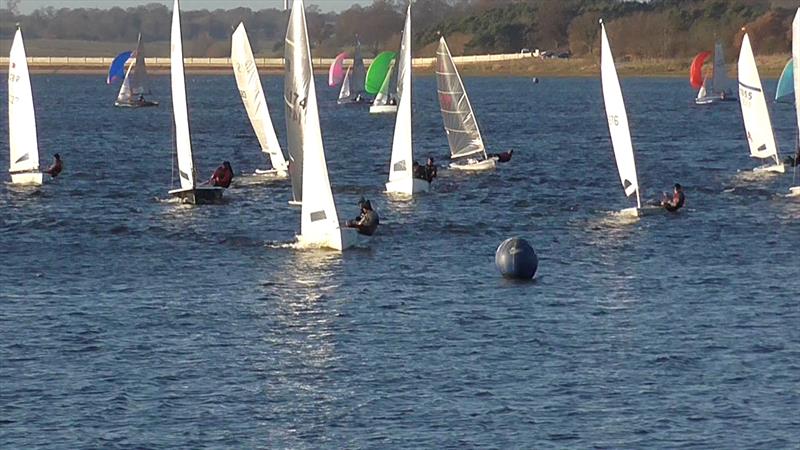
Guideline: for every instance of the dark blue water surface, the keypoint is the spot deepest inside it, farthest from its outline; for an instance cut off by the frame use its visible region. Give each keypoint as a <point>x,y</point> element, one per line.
<point>131,322</point>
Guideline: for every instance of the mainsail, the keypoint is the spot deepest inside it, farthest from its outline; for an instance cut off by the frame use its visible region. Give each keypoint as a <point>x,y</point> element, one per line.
<point>722,84</point>
<point>400,167</point>
<point>252,94</point>
<point>618,120</point>
<point>318,216</point>
<point>135,83</point>
<point>180,109</point>
<point>460,125</point>
<point>359,76</point>
<point>22,141</point>
<point>757,123</point>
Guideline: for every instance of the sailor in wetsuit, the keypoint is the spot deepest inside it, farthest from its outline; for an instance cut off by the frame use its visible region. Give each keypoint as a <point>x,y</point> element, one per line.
<point>56,167</point>
<point>677,200</point>
<point>504,157</point>
<point>430,170</point>
<point>367,222</point>
<point>222,176</point>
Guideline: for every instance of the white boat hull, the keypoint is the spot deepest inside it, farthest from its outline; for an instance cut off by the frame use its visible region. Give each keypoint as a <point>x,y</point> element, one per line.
<point>774,168</point>
<point>200,195</point>
<point>650,210</point>
<point>794,191</point>
<point>714,99</point>
<point>340,239</point>
<point>408,186</point>
<point>383,109</point>
<point>271,173</point>
<point>33,178</point>
<point>475,165</point>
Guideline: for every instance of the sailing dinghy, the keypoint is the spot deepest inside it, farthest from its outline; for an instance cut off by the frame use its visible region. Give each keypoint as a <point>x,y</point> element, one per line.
<point>380,78</point>
<point>401,177</point>
<point>355,78</point>
<point>319,223</point>
<point>22,143</point>
<point>190,191</point>
<point>619,129</point>
<point>757,124</point>
<point>255,102</point>
<point>134,86</point>
<point>795,189</point>
<point>716,88</point>
<point>466,145</point>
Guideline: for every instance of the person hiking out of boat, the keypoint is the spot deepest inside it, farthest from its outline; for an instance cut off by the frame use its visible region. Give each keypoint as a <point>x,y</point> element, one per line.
<point>676,202</point>
<point>367,221</point>
<point>56,167</point>
<point>222,176</point>
<point>504,156</point>
<point>417,171</point>
<point>430,170</point>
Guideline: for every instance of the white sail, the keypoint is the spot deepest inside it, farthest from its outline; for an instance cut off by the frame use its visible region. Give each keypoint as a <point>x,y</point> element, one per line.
<point>703,91</point>
<point>319,221</point>
<point>460,125</point>
<point>758,126</point>
<point>135,83</point>
<point>383,96</point>
<point>252,93</point>
<point>180,109</point>
<point>23,144</point>
<point>796,68</point>
<point>344,92</point>
<point>401,176</point>
<point>618,120</point>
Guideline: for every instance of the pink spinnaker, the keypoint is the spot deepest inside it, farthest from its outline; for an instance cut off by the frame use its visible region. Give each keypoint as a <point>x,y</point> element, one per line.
<point>336,72</point>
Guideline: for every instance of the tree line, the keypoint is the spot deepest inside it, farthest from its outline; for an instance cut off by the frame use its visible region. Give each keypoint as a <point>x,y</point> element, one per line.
<point>639,29</point>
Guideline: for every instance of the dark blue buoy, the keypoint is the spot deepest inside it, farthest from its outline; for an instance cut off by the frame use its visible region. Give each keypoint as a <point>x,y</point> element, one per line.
<point>515,258</point>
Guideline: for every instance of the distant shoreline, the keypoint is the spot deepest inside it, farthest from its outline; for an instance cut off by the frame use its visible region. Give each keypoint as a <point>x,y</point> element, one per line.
<point>769,67</point>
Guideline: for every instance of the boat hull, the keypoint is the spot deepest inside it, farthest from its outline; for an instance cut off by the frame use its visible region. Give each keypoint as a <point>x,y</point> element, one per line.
<point>794,191</point>
<point>408,186</point>
<point>30,178</point>
<point>339,239</point>
<point>271,173</point>
<point>475,165</point>
<point>774,168</point>
<point>645,211</point>
<point>714,99</point>
<point>143,104</point>
<point>200,195</point>
<point>383,109</point>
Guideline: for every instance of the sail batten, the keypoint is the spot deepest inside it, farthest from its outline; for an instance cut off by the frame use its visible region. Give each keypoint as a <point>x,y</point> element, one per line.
<point>252,94</point>
<point>457,113</point>
<point>23,142</point>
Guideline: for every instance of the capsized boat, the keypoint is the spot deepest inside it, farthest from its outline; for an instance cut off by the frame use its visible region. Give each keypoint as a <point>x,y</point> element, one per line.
<point>255,102</point>
<point>466,144</point>
<point>401,176</point>
<point>319,222</point>
<point>716,88</point>
<point>353,85</point>
<point>785,89</point>
<point>190,191</point>
<point>757,124</point>
<point>379,81</point>
<point>23,145</point>
<point>618,128</point>
<point>794,190</point>
<point>135,84</point>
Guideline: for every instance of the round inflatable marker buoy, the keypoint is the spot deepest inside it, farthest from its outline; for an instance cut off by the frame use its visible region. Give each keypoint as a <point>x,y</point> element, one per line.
<point>515,258</point>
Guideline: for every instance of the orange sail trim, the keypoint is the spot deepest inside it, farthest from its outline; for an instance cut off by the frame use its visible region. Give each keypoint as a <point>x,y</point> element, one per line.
<point>696,71</point>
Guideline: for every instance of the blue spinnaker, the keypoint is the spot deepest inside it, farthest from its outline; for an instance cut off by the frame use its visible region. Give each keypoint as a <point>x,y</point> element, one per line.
<point>117,70</point>
<point>786,84</point>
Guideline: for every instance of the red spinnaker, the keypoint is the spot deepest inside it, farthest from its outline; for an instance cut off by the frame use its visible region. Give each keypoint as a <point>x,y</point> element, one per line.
<point>696,71</point>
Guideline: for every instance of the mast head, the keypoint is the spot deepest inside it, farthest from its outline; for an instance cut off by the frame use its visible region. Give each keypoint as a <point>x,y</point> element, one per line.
<point>600,21</point>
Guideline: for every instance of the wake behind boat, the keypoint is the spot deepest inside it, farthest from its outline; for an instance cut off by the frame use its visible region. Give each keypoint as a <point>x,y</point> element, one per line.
<point>190,191</point>
<point>135,84</point>
<point>23,144</point>
<point>255,102</point>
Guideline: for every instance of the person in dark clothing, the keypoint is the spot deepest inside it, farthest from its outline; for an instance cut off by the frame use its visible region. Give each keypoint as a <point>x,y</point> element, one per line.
<point>418,171</point>
<point>677,200</point>
<point>504,157</point>
<point>222,176</point>
<point>56,167</point>
<point>367,222</point>
<point>430,170</point>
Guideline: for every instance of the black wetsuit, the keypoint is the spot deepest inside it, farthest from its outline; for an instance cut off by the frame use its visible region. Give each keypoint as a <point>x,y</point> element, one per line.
<point>366,223</point>
<point>430,172</point>
<point>677,202</point>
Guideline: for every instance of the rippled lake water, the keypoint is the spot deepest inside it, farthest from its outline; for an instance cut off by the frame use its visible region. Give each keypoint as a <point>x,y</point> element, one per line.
<point>129,322</point>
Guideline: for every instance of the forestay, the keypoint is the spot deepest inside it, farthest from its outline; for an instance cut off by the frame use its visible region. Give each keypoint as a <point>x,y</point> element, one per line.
<point>252,94</point>
<point>460,125</point>
<point>757,123</point>
<point>179,107</point>
<point>23,144</point>
<point>618,120</point>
